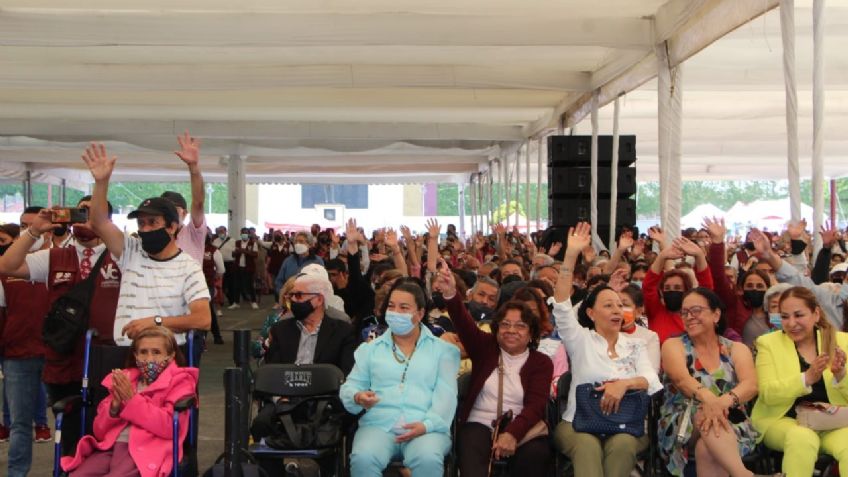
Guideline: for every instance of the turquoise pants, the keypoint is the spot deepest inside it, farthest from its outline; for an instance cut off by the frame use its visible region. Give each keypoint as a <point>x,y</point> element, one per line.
<point>374,448</point>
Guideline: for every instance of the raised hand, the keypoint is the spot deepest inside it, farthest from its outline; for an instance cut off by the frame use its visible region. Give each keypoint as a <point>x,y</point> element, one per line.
<point>687,246</point>
<point>391,238</point>
<point>797,230</point>
<point>762,244</point>
<point>407,234</point>
<point>189,149</point>
<point>43,222</point>
<point>98,162</point>
<point>579,238</point>
<point>638,248</point>
<point>555,248</point>
<point>499,229</point>
<point>829,235</point>
<point>351,232</point>
<point>716,228</point>
<point>433,228</point>
<point>656,233</point>
<point>625,241</point>
<point>618,279</point>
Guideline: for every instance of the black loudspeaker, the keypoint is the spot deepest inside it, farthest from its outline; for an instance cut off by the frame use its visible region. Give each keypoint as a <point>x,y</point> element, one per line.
<point>576,182</point>
<point>577,150</point>
<point>567,212</point>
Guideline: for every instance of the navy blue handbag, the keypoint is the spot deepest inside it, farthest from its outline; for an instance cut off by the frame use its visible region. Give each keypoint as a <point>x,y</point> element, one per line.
<point>630,417</point>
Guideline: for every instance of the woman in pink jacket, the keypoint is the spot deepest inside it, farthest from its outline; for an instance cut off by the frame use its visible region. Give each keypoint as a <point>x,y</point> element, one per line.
<point>133,427</point>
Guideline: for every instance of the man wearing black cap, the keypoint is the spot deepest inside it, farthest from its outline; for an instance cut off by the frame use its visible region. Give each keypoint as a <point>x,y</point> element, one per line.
<point>191,237</point>
<point>161,286</point>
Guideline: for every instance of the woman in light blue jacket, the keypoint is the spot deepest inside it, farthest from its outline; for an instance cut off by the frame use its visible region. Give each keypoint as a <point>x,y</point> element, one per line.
<point>405,382</point>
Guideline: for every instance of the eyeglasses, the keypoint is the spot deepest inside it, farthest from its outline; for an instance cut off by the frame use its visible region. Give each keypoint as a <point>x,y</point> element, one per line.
<point>299,296</point>
<point>517,326</point>
<point>695,311</point>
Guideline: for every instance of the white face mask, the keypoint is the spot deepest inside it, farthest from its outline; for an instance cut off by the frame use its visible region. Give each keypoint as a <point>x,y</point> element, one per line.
<point>300,249</point>
<point>38,244</point>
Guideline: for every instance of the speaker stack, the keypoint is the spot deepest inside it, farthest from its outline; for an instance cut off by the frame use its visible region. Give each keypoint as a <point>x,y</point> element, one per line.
<point>570,181</point>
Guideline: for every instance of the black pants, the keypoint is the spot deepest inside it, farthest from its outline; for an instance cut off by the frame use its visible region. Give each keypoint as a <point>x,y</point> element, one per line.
<point>230,282</point>
<point>475,447</point>
<point>216,331</point>
<point>71,423</point>
<point>245,284</point>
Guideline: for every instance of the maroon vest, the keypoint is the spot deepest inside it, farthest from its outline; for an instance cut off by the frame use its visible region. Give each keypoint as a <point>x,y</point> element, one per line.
<point>26,305</point>
<point>65,273</point>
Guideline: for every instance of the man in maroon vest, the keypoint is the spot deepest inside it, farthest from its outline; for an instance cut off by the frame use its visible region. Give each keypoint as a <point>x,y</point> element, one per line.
<point>23,355</point>
<point>61,269</point>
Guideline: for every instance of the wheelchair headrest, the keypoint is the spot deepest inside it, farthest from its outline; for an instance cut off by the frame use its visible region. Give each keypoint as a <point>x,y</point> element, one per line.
<point>297,380</point>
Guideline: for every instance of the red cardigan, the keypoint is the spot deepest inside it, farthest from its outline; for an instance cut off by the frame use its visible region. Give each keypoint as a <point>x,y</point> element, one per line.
<point>663,322</point>
<point>737,313</point>
<point>483,349</point>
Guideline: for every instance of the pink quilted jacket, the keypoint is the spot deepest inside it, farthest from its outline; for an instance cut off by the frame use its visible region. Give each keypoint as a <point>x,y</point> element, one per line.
<point>150,416</point>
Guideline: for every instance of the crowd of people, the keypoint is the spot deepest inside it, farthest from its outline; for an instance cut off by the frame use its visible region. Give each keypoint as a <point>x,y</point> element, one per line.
<point>740,341</point>
<point>736,341</point>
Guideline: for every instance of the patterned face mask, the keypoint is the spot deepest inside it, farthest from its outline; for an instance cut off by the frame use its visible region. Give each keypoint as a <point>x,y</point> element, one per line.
<point>151,369</point>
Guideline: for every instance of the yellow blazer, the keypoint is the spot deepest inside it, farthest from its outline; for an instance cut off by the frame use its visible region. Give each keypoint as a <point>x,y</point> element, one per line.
<point>779,378</point>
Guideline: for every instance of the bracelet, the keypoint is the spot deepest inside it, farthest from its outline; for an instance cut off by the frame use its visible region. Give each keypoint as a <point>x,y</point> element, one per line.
<point>32,235</point>
<point>736,401</point>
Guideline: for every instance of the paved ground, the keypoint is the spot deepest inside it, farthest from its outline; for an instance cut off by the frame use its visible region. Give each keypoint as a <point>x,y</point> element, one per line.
<point>216,358</point>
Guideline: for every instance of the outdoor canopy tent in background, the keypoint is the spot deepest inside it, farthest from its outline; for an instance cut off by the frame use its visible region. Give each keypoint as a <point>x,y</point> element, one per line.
<point>388,91</point>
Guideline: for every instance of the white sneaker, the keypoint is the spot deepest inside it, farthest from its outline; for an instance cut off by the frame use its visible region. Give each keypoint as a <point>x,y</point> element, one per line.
<point>254,306</point>
<point>234,306</point>
<point>219,312</point>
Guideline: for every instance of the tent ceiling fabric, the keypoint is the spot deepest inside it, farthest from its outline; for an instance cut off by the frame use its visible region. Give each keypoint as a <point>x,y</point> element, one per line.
<point>389,91</point>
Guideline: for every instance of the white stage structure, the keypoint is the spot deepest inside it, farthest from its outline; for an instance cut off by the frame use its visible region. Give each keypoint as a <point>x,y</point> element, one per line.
<point>380,91</point>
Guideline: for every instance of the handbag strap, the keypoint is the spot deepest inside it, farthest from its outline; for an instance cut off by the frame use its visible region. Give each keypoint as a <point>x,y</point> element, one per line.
<point>500,385</point>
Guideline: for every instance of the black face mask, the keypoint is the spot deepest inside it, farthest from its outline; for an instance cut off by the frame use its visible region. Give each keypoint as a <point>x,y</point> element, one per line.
<point>749,246</point>
<point>479,311</point>
<point>3,248</point>
<point>510,279</point>
<point>154,241</point>
<point>673,300</point>
<point>301,310</point>
<point>754,298</point>
<point>438,300</point>
<point>60,230</point>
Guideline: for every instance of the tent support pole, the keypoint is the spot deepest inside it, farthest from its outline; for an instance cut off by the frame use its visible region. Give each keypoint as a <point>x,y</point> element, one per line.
<point>670,117</point>
<point>236,193</point>
<point>461,203</point>
<point>787,30</point>
<point>539,160</point>
<point>818,120</point>
<point>613,214</point>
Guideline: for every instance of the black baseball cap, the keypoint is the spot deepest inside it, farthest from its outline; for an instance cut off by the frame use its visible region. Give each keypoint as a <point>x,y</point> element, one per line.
<point>176,198</point>
<point>157,206</point>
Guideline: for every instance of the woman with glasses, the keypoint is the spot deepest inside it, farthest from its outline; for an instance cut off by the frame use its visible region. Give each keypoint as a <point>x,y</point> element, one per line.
<point>599,353</point>
<point>507,374</point>
<point>404,383</point>
<point>708,379</point>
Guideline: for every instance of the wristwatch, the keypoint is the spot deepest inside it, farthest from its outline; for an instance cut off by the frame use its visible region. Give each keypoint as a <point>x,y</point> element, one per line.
<point>158,320</point>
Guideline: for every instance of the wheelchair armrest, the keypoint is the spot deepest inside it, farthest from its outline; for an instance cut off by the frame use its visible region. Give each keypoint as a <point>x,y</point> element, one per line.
<point>185,403</point>
<point>67,405</point>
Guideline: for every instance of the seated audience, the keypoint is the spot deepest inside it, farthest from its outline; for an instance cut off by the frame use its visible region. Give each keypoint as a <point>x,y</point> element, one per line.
<point>599,353</point>
<point>507,374</point>
<point>404,383</point>
<point>803,364</point>
<point>310,336</point>
<point>718,374</point>
<point>133,428</point>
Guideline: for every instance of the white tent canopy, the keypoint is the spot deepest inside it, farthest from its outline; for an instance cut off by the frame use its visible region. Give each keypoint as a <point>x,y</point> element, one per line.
<point>696,217</point>
<point>383,91</point>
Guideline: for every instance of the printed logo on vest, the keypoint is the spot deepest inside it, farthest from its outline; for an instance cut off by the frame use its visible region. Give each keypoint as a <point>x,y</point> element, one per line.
<point>110,276</point>
<point>63,277</point>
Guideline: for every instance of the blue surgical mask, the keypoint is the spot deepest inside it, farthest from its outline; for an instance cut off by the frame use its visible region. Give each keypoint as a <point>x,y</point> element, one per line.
<point>244,237</point>
<point>400,324</point>
<point>637,283</point>
<point>774,320</point>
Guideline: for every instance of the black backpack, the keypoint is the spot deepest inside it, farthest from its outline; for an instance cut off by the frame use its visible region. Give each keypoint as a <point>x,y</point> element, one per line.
<point>313,422</point>
<point>67,319</point>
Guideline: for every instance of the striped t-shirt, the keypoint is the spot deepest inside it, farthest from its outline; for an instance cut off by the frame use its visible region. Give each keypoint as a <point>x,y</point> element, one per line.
<point>155,287</point>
